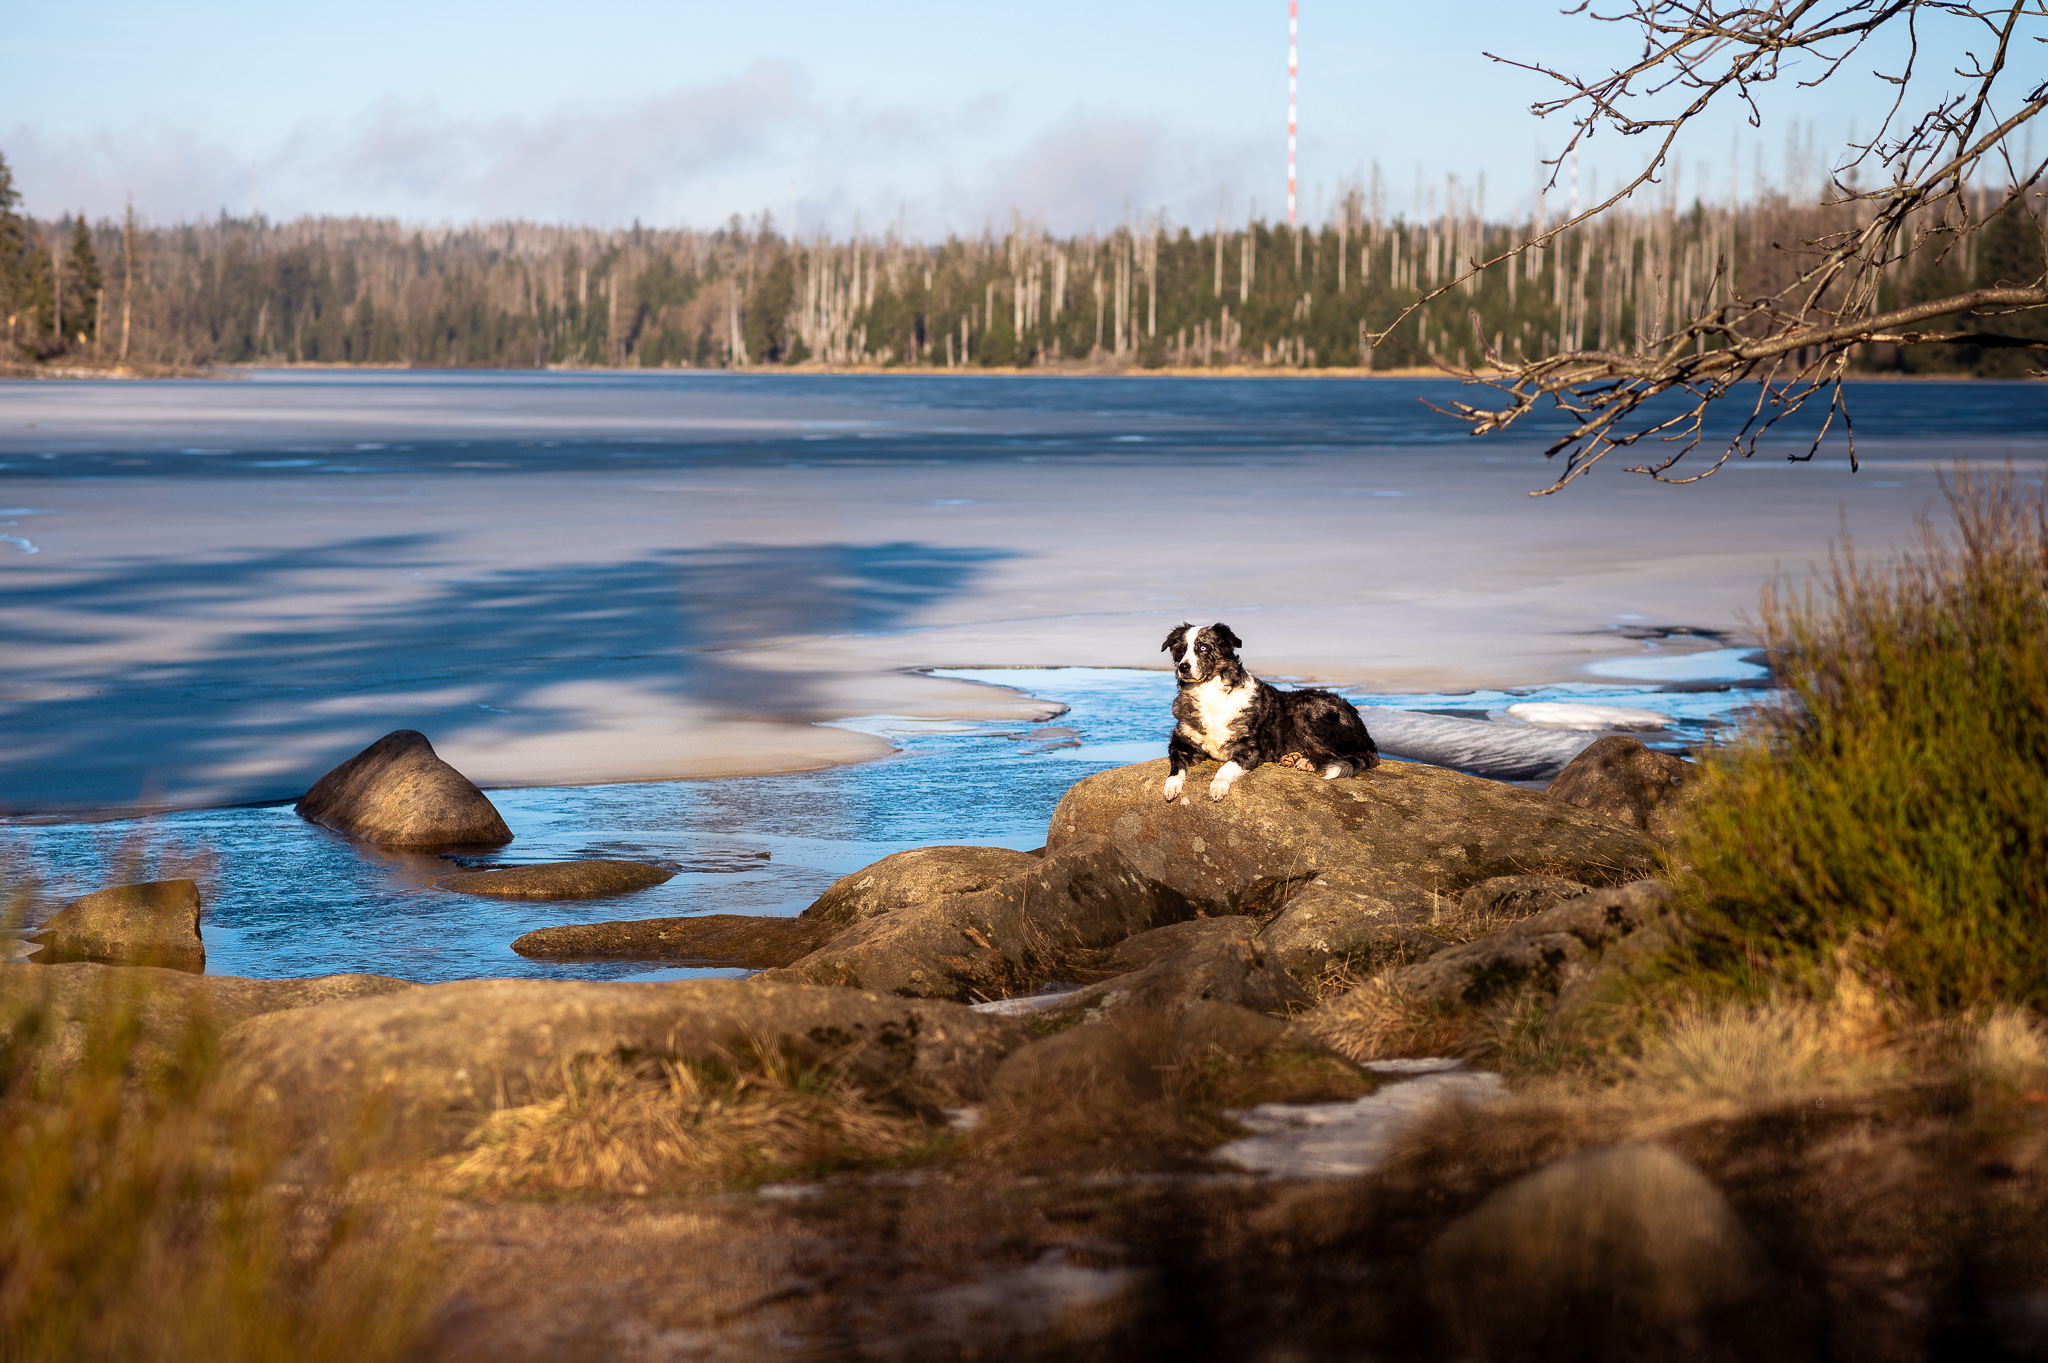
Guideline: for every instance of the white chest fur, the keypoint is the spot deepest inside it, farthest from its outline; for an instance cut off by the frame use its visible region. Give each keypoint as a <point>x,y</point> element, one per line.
<point>1212,712</point>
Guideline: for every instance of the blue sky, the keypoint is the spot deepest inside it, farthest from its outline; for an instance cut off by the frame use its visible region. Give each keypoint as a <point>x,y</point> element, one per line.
<point>935,117</point>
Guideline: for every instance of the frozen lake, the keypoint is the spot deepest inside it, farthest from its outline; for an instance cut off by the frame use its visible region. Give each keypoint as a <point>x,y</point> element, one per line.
<point>583,586</point>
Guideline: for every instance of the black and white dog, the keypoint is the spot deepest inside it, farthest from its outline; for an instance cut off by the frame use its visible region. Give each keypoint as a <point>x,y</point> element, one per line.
<point>1226,713</point>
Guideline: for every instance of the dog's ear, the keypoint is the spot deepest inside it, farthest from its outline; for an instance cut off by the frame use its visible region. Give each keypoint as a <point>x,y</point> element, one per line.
<point>1174,640</point>
<point>1222,635</point>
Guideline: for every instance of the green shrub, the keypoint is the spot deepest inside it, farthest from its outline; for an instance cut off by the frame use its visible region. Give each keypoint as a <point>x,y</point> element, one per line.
<point>1892,815</point>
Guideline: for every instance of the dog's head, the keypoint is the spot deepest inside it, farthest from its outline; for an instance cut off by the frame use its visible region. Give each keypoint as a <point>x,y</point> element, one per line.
<point>1199,654</point>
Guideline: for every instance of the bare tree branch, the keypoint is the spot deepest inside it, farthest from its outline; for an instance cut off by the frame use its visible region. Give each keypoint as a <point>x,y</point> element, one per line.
<point>1792,339</point>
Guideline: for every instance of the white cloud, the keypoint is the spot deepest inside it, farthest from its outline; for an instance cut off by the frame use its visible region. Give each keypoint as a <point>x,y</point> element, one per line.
<point>693,156</point>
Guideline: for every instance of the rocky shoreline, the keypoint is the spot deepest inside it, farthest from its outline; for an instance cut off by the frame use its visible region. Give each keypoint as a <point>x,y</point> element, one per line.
<point>1087,1043</point>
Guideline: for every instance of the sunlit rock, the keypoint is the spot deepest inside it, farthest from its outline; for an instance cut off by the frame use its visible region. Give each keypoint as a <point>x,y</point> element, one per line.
<point>397,793</point>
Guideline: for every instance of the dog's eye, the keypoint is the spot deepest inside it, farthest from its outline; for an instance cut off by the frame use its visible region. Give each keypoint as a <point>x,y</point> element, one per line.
<point>1204,648</point>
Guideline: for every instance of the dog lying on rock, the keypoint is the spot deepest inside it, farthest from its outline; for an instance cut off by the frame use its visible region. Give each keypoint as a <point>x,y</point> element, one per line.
<point>1226,713</point>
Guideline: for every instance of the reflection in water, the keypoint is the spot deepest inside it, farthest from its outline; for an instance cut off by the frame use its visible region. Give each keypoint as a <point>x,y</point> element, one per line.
<point>287,898</point>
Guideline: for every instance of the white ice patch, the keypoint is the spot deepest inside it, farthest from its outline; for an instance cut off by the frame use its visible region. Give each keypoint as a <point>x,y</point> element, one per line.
<point>1045,996</point>
<point>1557,714</point>
<point>1507,752</point>
<point>1715,664</point>
<point>1341,1140</point>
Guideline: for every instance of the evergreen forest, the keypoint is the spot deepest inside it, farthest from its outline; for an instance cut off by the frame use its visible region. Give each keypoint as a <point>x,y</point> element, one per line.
<point>1149,294</point>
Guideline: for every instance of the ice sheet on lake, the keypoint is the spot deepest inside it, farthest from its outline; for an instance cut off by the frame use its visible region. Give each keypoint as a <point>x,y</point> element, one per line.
<point>1561,714</point>
<point>1341,1140</point>
<point>1714,664</point>
<point>1507,752</point>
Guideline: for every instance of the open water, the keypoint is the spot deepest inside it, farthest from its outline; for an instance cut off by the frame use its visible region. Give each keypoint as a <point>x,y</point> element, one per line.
<point>284,897</point>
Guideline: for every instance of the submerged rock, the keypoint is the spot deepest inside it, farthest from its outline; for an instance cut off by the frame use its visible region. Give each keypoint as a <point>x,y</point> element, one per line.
<point>1625,781</point>
<point>997,941</point>
<point>154,924</point>
<point>415,1070</point>
<point>397,793</point>
<point>915,876</point>
<point>711,939</point>
<point>557,879</point>
<point>1339,866</point>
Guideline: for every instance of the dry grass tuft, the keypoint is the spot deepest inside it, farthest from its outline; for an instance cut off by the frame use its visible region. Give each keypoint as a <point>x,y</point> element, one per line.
<point>673,1126</point>
<point>142,1215</point>
<point>2008,1053</point>
<point>1374,1021</point>
<point>1760,1055</point>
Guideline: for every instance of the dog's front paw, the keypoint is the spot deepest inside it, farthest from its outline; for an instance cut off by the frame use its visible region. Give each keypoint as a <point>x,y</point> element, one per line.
<point>1220,787</point>
<point>1172,788</point>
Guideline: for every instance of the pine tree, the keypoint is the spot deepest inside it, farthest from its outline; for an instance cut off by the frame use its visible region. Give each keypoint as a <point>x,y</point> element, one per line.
<point>82,284</point>
<point>14,251</point>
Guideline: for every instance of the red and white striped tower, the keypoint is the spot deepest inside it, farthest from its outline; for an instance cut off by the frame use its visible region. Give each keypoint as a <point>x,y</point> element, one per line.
<point>1293,22</point>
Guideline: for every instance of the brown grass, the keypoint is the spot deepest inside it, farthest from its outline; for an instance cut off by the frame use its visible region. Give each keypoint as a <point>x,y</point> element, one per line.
<point>142,1217</point>
<point>674,1126</point>
<point>1374,1020</point>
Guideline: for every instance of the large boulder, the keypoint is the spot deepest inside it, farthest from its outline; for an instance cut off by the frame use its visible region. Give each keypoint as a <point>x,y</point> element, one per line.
<point>152,924</point>
<point>915,876</point>
<point>589,879</point>
<point>397,793</point>
<point>1350,865</point>
<point>415,1070</point>
<point>1169,970</point>
<point>1553,951</point>
<point>710,939</point>
<point>998,941</point>
<point>1625,781</point>
<point>69,1011</point>
<point>1629,1252</point>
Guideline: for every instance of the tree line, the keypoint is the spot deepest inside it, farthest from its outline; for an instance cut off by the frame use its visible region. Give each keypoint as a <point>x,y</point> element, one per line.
<point>1146,294</point>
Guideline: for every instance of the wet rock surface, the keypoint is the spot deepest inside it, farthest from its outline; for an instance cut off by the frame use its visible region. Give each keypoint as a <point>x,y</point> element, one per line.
<point>413,1071</point>
<point>998,941</point>
<point>714,939</point>
<point>1355,863</point>
<point>397,793</point>
<point>915,876</point>
<point>588,879</point>
<point>155,923</point>
<point>1625,781</point>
